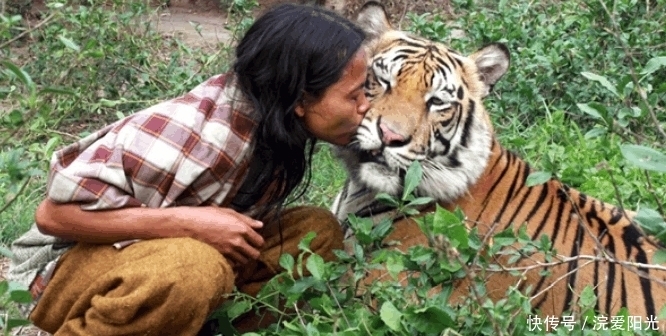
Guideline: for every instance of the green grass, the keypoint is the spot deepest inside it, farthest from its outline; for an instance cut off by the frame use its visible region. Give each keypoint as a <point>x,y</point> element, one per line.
<point>328,177</point>
<point>19,216</point>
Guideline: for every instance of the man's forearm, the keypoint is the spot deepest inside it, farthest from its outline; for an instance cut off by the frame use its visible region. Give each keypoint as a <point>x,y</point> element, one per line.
<point>68,221</point>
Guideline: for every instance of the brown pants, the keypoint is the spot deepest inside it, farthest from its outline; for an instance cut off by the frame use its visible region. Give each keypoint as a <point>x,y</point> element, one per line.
<point>165,286</point>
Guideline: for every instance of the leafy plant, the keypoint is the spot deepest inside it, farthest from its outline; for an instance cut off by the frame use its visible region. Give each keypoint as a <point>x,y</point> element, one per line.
<point>11,293</point>
<point>314,297</point>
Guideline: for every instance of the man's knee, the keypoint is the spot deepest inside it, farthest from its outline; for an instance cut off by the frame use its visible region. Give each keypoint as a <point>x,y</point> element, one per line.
<point>156,279</point>
<point>197,263</point>
<point>322,222</point>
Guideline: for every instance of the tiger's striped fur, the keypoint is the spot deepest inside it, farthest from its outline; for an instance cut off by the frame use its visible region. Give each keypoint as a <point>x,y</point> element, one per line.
<point>427,106</point>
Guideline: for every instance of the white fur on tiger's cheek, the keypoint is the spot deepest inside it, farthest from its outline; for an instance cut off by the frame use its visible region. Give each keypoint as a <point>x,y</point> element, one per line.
<point>447,184</point>
<point>380,178</point>
<point>368,136</point>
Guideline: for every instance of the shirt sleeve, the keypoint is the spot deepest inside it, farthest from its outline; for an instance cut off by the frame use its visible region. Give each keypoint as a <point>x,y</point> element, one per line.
<point>76,178</point>
<point>186,151</point>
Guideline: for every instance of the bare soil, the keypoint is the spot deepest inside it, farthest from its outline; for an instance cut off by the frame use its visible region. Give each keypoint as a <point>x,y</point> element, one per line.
<point>181,17</point>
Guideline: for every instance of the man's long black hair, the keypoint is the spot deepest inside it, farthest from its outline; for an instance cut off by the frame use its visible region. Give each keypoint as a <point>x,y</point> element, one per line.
<point>290,51</point>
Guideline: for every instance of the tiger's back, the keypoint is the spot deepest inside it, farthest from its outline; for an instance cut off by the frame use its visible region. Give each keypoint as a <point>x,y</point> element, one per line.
<point>598,243</point>
<point>427,107</point>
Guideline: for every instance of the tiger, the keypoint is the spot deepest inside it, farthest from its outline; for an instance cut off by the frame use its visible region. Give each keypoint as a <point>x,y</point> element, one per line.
<point>427,106</point>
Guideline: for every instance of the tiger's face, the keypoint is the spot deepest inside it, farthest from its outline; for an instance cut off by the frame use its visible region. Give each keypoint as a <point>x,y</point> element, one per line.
<point>426,106</point>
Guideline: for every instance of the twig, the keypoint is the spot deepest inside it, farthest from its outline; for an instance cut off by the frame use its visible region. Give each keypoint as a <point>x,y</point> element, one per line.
<point>630,265</point>
<point>660,207</point>
<point>28,31</point>
<point>634,78</point>
<point>335,297</point>
<point>618,196</point>
<point>565,259</point>
<point>487,237</point>
<point>16,196</point>
<point>471,275</point>
<point>638,137</point>
<point>559,279</point>
<point>299,315</point>
<point>255,300</point>
<point>402,17</point>
<point>74,137</point>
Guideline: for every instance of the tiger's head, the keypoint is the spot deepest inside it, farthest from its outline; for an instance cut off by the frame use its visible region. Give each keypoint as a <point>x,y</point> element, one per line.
<point>426,106</point>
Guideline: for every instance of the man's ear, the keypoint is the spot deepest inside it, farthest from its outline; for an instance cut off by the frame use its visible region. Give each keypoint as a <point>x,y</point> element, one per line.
<point>300,108</point>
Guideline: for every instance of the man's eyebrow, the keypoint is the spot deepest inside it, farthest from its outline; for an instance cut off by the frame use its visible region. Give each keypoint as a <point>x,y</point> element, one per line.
<point>358,87</point>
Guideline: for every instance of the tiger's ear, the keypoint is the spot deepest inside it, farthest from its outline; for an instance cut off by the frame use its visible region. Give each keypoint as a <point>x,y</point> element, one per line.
<point>373,19</point>
<point>492,62</point>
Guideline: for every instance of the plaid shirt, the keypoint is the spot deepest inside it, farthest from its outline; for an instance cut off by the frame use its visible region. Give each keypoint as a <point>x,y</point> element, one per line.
<point>188,151</point>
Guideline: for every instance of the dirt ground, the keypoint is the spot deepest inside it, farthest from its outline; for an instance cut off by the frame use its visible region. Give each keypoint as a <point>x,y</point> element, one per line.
<point>177,18</point>
<point>397,9</point>
<point>181,17</point>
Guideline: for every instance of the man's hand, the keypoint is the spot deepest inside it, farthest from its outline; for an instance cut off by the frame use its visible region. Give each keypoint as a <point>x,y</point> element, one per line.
<point>228,231</point>
<point>233,234</point>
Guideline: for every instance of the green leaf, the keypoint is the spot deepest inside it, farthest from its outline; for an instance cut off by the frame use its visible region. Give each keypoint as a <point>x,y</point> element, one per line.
<point>21,75</point>
<point>410,212</point>
<point>602,80</point>
<point>590,111</point>
<point>95,53</point>
<point>6,252</point>
<point>358,253</point>
<point>109,103</point>
<point>445,218</point>
<point>287,262</point>
<point>238,308</point>
<point>644,157</point>
<point>595,133</point>
<point>4,287</point>
<point>390,315</point>
<point>394,265</point>
<point>587,297</point>
<point>387,199</point>
<point>412,178</point>
<point>20,295</point>
<point>448,224</point>
<point>51,146</point>
<point>315,264</point>
<point>55,5</point>
<point>537,177</point>
<point>654,64</point>
<point>304,244</point>
<point>13,323</point>
<point>301,285</point>
<point>69,43</point>
<point>291,327</point>
<point>650,220</point>
<point>659,257</point>
<point>380,231</point>
<point>342,255</point>
<point>420,201</point>
<point>57,91</point>
<point>662,313</point>
<point>15,117</point>
<point>223,318</point>
<point>431,320</point>
<point>505,238</point>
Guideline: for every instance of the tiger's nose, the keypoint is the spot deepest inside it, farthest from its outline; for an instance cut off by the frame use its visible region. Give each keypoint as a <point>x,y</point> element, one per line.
<point>389,137</point>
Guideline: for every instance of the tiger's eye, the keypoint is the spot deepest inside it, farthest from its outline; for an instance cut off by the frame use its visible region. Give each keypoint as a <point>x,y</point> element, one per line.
<point>435,101</point>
